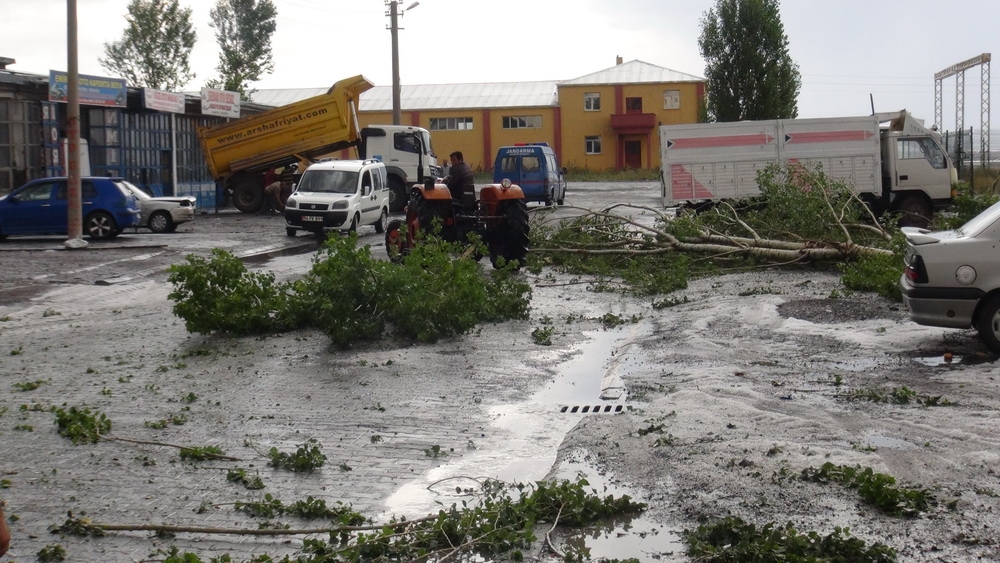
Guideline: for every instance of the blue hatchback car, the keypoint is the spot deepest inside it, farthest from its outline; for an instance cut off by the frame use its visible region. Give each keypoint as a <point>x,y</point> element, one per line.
<point>40,208</point>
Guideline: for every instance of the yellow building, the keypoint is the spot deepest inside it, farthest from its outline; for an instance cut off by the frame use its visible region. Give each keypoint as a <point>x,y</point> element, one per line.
<point>605,120</point>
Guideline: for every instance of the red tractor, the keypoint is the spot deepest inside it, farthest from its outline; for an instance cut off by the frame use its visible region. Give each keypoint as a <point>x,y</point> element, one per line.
<point>499,217</point>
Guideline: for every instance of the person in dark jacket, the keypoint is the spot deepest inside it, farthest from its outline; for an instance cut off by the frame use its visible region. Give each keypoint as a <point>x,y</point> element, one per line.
<point>4,532</point>
<point>460,174</point>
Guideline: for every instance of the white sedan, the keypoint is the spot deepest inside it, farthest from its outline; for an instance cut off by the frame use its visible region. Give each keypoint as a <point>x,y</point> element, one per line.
<point>163,214</point>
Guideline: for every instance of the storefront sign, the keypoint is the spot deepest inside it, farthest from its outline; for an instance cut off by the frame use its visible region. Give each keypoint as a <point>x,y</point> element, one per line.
<point>162,100</point>
<point>94,90</point>
<point>220,102</point>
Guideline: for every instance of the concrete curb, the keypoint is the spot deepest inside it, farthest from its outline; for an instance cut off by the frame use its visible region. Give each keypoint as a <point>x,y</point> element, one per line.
<point>261,253</point>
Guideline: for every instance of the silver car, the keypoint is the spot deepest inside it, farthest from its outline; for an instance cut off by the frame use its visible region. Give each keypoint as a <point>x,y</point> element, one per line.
<point>163,214</point>
<point>952,278</point>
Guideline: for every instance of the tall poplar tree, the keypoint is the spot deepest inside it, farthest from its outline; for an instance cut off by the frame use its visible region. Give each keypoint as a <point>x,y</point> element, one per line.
<point>155,48</point>
<point>750,73</point>
<point>243,29</point>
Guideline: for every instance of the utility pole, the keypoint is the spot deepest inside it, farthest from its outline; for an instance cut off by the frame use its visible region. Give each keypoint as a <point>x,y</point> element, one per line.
<point>394,15</point>
<point>74,199</point>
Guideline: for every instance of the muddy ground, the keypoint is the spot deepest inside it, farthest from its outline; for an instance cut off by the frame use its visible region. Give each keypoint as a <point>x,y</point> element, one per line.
<point>707,408</point>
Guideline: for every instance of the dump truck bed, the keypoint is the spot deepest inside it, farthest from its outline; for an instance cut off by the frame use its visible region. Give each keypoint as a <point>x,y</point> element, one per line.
<point>309,128</point>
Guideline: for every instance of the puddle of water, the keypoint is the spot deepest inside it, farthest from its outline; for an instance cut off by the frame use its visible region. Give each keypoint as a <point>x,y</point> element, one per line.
<point>948,359</point>
<point>595,373</point>
<point>876,440</point>
<point>637,537</point>
<point>528,435</point>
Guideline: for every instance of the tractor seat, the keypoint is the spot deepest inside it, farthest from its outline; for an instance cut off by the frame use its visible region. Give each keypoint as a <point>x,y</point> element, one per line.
<point>465,198</point>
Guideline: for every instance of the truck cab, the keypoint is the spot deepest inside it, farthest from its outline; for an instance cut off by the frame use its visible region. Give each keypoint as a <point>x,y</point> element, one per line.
<point>407,154</point>
<point>339,195</point>
<point>916,172</point>
<point>535,168</point>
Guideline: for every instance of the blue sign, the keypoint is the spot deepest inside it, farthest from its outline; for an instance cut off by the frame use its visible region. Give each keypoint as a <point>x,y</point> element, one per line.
<point>94,90</point>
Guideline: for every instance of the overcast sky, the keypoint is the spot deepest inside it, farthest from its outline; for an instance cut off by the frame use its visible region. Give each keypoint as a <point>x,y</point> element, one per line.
<point>846,49</point>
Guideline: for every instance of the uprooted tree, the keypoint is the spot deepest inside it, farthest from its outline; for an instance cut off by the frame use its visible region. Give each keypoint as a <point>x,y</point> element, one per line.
<point>802,218</point>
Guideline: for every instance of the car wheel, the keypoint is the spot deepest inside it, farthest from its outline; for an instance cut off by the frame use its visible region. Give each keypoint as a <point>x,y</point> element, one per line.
<point>290,231</point>
<point>354,225</point>
<point>988,323</point>
<point>100,225</point>
<point>160,222</point>
<point>395,241</point>
<point>383,221</point>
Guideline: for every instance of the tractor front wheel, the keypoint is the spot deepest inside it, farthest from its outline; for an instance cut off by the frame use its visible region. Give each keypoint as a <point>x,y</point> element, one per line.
<point>509,239</point>
<point>396,245</point>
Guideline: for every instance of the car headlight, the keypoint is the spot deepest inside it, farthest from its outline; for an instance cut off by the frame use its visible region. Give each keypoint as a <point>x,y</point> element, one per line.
<point>342,204</point>
<point>291,203</point>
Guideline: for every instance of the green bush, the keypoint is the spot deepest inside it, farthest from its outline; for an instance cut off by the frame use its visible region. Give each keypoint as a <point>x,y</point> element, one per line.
<point>350,295</point>
<point>220,295</point>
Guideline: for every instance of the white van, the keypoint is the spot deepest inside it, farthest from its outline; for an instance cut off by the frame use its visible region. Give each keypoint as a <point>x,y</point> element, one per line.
<point>339,195</point>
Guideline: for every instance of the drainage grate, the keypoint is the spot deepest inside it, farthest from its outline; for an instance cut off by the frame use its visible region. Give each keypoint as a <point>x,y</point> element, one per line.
<point>595,409</point>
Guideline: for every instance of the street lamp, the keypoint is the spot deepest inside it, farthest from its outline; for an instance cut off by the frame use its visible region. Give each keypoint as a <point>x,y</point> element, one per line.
<point>394,14</point>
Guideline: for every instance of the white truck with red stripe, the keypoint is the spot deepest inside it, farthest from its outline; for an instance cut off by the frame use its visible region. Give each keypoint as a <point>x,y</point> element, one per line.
<point>892,160</point>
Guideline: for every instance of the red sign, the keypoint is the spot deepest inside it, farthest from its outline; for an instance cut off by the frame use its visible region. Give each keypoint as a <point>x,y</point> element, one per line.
<point>828,136</point>
<point>715,142</point>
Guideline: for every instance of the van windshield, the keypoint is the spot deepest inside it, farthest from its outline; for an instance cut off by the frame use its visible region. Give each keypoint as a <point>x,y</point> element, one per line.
<point>329,181</point>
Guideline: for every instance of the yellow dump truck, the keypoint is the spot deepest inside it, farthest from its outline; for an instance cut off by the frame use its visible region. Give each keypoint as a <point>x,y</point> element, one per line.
<point>240,153</point>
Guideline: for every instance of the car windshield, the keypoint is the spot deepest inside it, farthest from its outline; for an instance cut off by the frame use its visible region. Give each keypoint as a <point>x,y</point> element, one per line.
<point>136,190</point>
<point>978,223</point>
<point>329,181</point>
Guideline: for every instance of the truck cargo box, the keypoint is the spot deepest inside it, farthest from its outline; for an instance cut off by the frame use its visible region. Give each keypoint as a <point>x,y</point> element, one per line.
<point>716,161</point>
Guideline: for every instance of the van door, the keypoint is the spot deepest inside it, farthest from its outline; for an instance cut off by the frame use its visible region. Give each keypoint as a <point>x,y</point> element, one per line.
<point>369,197</point>
<point>532,179</point>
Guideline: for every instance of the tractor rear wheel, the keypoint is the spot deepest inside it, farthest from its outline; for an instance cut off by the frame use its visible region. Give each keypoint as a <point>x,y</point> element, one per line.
<point>509,238</point>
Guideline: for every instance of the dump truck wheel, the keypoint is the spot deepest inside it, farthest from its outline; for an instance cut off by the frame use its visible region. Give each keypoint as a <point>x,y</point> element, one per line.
<point>248,194</point>
<point>510,237</point>
<point>395,241</point>
<point>397,194</point>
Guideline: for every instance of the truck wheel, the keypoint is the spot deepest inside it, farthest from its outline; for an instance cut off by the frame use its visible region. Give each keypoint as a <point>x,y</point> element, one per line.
<point>395,241</point>
<point>397,194</point>
<point>915,211</point>
<point>988,323</point>
<point>509,238</point>
<point>248,194</point>
<point>383,220</point>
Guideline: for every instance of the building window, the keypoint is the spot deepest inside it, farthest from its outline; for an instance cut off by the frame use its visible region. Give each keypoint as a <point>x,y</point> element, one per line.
<point>671,99</point>
<point>522,122</point>
<point>451,124</point>
<point>592,101</point>
<point>593,145</point>
<point>633,105</point>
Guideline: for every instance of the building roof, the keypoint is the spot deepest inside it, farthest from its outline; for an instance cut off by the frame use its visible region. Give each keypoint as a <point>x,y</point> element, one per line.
<point>433,96</point>
<point>484,95</point>
<point>632,72</point>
